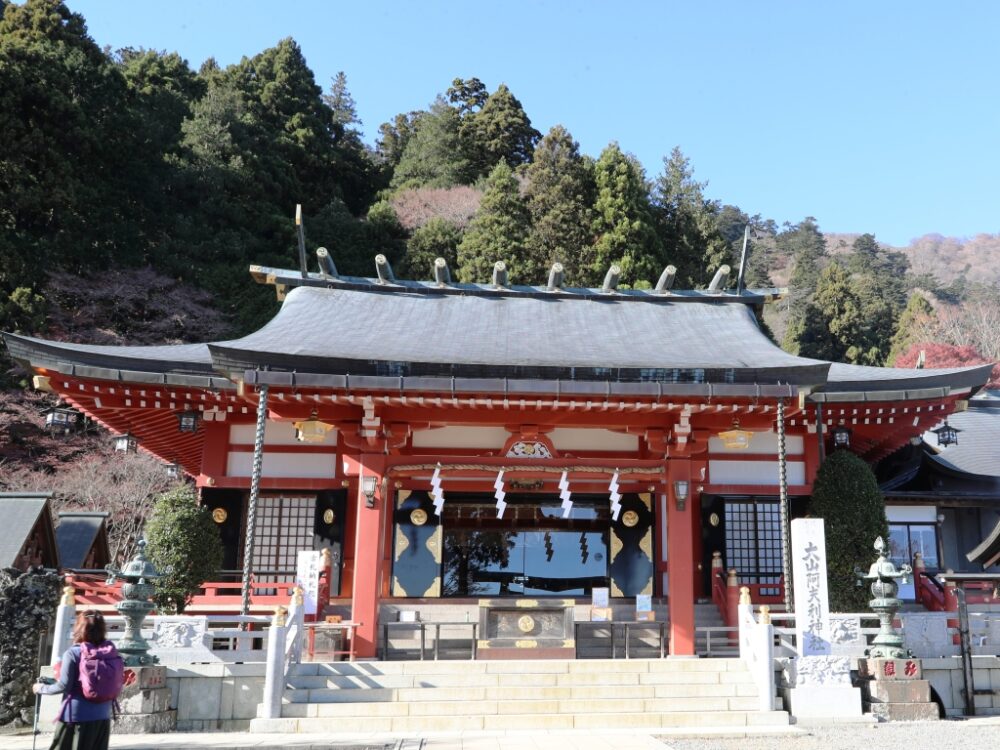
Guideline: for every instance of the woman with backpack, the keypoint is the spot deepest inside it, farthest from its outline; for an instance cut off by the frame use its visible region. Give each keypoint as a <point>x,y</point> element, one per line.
<point>91,675</point>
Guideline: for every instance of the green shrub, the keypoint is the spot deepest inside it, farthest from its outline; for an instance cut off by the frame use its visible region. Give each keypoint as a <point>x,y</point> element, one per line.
<point>846,496</point>
<point>184,545</point>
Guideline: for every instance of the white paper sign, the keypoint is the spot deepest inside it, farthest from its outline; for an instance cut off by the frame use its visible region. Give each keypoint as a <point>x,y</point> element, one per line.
<point>307,570</point>
<point>812,601</point>
<point>599,597</point>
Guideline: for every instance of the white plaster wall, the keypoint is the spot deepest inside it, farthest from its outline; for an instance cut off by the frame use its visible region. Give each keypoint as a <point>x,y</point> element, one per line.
<point>461,437</point>
<point>754,472</point>
<point>283,465</point>
<point>761,442</point>
<point>275,433</point>
<point>911,513</point>
<point>579,439</point>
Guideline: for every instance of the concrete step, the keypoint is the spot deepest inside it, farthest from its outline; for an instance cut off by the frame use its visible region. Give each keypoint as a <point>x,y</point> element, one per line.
<point>459,722</point>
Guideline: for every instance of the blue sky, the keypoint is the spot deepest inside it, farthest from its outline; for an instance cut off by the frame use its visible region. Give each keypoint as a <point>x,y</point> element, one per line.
<point>879,117</point>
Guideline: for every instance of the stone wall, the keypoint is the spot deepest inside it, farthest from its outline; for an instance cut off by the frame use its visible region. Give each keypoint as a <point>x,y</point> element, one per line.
<point>215,697</point>
<point>207,697</point>
<point>27,605</point>
<point>945,676</point>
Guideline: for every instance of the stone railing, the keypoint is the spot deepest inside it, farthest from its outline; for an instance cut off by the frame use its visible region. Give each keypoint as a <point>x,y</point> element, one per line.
<point>757,649</point>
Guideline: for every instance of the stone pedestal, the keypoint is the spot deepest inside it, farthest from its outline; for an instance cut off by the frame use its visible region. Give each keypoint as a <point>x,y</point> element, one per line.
<point>144,702</point>
<point>897,690</point>
<point>819,688</point>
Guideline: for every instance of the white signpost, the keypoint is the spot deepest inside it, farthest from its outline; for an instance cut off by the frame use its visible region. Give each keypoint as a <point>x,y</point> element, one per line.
<point>307,570</point>
<point>819,681</point>
<point>812,601</point>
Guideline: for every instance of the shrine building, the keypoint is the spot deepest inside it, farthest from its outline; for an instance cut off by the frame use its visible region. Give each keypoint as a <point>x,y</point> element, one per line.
<point>450,441</point>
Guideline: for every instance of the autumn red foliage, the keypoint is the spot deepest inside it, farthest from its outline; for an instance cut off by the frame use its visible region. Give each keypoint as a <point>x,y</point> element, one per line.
<point>948,355</point>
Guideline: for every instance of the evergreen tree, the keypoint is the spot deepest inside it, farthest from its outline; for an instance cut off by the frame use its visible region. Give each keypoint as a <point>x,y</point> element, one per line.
<point>559,195</point>
<point>353,166</point>
<point>914,324</point>
<point>438,238</point>
<point>732,223</point>
<point>68,148</point>
<point>623,223</point>
<point>686,222</point>
<point>434,155</point>
<point>846,496</point>
<point>499,130</point>
<point>806,247</point>
<point>394,136</point>
<point>498,230</point>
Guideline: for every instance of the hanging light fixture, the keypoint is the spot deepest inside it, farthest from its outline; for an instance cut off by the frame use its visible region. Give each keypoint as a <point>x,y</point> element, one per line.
<point>311,430</point>
<point>681,493</point>
<point>946,434</point>
<point>369,484</point>
<point>126,443</point>
<point>735,438</point>
<point>841,436</point>
<point>187,421</point>
<point>61,419</point>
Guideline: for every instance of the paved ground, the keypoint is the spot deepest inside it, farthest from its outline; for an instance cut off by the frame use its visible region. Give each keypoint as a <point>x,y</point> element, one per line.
<point>969,734</point>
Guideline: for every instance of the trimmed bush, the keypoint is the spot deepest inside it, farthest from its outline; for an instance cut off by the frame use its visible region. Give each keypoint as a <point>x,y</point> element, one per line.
<point>846,496</point>
<point>184,545</point>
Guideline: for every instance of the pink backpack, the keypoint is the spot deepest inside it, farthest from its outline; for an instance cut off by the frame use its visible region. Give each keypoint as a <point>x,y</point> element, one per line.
<point>102,672</point>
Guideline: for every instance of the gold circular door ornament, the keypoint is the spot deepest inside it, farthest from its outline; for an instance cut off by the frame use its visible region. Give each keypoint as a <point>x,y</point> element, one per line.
<point>526,623</point>
<point>418,516</point>
<point>714,519</point>
<point>328,516</point>
<point>219,515</point>
<point>630,518</point>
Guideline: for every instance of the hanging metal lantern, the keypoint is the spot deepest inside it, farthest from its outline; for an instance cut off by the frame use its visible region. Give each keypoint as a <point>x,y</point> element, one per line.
<point>127,443</point>
<point>311,430</point>
<point>188,421</point>
<point>736,438</point>
<point>946,435</point>
<point>61,419</point>
<point>841,437</point>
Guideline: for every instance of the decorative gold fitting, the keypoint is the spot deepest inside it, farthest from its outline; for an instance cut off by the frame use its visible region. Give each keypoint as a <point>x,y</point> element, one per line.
<point>326,556</point>
<point>297,596</point>
<point>280,617</point>
<point>716,559</point>
<point>765,615</point>
<point>745,595</point>
<point>68,596</point>
<point>345,483</point>
<point>731,579</point>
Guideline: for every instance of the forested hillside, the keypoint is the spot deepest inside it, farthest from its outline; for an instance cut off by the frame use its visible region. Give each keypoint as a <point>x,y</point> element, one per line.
<point>135,191</point>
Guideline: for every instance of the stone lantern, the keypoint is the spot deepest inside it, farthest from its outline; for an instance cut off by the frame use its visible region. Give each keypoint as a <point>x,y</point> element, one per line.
<point>137,577</point>
<point>888,644</point>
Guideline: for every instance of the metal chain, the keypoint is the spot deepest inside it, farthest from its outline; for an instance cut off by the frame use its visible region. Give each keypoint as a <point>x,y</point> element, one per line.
<point>786,552</point>
<point>258,459</point>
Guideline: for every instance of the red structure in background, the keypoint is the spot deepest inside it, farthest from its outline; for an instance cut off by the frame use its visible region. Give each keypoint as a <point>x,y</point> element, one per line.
<point>427,435</point>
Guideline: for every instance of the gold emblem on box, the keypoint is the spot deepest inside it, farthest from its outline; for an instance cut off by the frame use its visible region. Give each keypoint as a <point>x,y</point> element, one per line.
<point>526,623</point>
<point>328,516</point>
<point>219,515</point>
<point>418,516</point>
<point>630,518</point>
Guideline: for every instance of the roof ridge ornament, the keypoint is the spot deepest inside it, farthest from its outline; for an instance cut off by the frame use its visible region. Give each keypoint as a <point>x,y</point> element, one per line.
<point>720,279</point>
<point>499,274</point>
<point>555,277</point>
<point>441,274</point>
<point>384,270</point>
<point>611,279</point>
<point>326,264</point>
<point>666,280</point>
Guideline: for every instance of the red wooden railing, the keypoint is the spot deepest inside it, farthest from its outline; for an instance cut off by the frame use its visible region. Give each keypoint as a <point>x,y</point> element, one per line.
<point>214,597</point>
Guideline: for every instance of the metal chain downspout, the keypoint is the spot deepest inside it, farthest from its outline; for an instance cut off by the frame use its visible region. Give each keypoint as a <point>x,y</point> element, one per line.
<point>786,552</point>
<point>258,458</point>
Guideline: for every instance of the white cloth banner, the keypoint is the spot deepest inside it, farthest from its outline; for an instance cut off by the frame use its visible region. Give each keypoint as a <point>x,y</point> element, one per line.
<point>812,600</point>
<point>307,570</point>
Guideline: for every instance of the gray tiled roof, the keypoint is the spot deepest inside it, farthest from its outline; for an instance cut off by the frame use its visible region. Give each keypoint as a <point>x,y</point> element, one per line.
<point>978,448</point>
<point>526,335</point>
<point>481,335</point>
<point>75,535</point>
<point>20,512</point>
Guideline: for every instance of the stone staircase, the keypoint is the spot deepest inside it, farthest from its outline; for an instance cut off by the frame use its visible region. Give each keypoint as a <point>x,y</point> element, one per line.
<point>711,642</point>
<point>414,696</point>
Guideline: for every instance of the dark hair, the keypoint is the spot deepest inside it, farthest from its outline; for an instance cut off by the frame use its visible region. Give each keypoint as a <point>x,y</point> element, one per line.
<point>90,627</point>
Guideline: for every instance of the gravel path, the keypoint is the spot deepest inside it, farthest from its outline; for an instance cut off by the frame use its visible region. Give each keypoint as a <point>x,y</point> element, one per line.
<point>957,734</point>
